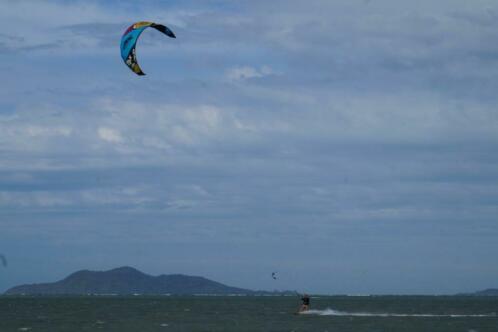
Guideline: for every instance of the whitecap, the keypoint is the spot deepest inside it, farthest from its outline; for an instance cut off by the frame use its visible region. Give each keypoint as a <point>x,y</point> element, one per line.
<point>332,312</point>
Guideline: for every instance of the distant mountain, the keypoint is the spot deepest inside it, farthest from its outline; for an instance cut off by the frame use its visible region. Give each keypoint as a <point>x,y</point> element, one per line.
<point>126,281</point>
<point>486,292</point>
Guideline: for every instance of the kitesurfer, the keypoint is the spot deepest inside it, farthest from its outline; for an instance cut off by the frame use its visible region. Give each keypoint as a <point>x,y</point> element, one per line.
<point>305,306</point>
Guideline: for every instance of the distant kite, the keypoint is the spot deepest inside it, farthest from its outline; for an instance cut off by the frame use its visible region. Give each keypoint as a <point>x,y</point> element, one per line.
<point>4,260</point>
<point>129,42</point>
<point>274,275</point>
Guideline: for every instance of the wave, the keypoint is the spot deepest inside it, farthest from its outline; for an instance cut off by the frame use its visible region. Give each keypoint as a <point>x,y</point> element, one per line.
<point>332,312</point>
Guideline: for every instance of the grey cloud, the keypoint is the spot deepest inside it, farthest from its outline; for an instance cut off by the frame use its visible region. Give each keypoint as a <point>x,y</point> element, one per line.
<point>106,35</point>
<point>11,38</point>
<point>14,43</point>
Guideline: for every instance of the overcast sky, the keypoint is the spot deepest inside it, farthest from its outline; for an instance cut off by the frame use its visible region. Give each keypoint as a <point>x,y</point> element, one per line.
<point>351,146</point>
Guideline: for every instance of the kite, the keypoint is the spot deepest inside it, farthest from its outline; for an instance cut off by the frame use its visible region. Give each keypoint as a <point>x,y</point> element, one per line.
<point>129,43</point>
<point>274,275</point>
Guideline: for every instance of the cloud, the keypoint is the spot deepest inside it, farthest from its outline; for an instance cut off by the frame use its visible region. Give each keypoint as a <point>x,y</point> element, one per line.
<point>371,124</point>
<point>110,135</point>
<point>246,72</point>
<point>71,27</point>
<point>37,131</point>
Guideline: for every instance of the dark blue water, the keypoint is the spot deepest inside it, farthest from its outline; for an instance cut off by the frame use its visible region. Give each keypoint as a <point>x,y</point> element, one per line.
<point>329,313</point>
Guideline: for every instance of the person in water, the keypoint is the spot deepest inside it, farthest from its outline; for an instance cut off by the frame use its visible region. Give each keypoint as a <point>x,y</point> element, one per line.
<point>305,306</point>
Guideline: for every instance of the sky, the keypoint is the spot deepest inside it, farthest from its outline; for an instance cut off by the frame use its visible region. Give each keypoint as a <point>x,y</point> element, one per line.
<point>350,146</point>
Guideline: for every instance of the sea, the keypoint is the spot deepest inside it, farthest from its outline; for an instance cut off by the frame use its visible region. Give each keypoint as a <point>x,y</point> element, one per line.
<point>249,313</point>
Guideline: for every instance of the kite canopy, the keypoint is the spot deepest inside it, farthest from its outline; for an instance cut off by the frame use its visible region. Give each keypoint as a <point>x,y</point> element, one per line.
<point>129,42</point>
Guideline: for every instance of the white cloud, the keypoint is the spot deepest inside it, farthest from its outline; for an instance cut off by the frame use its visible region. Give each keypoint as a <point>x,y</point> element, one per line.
<point>110,135</point>
<point>37,199</point>
<point>246,72</point>
<point>40,131</point>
